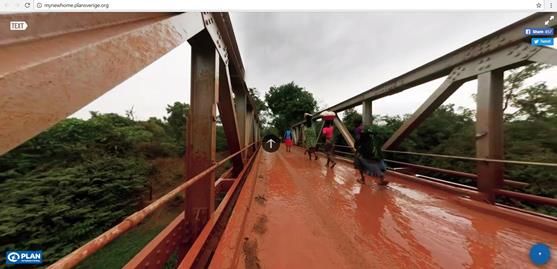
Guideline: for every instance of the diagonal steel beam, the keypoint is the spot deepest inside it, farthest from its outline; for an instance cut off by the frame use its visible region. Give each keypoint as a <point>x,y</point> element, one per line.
<point>240,102</point>
<point>345,133</point>
<point>433,102</point>
<point>47,25</point>
<point>44,80</point>
<point>228,118</point>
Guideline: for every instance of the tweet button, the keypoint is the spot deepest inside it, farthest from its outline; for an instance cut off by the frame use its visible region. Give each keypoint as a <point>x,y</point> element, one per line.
<point>542,41</point>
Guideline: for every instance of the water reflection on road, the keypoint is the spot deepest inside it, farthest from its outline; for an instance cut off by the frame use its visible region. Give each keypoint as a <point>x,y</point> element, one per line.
<point>322,218</point>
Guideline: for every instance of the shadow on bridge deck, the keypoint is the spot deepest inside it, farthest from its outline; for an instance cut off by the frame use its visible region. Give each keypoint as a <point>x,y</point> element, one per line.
<point>303,215</point>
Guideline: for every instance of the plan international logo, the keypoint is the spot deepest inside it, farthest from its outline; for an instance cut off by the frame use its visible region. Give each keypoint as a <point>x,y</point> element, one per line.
<point>24,257</point>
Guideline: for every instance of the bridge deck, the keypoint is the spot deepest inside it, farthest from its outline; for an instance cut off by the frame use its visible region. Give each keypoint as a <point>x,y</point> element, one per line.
<point>306,216</point>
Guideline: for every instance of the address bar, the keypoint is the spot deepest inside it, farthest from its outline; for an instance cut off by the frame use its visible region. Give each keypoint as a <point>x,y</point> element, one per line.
<point>283,5</point>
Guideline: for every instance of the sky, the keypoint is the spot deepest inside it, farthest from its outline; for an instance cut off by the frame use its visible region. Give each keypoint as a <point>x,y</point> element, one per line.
<point>332,55</point>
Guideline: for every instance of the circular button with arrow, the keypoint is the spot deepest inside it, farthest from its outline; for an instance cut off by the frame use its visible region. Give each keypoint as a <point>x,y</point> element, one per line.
<point>271,143</point>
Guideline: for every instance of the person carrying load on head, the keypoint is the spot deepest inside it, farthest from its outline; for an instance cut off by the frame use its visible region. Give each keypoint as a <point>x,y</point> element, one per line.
<point>328,131</point>
<point>369,157</point>
<point>288,139</point>
<point>310,137</point>
<point>357,133</point>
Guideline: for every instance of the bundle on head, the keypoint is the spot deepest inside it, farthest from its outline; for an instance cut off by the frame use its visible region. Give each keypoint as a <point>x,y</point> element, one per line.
<point>328,115</point>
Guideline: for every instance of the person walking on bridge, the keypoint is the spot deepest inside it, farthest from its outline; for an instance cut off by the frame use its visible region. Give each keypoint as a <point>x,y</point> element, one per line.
<point>288,139</point>
<point>310,138</point>
<point>357,133</point>
<point>369,157</point>
<point>328,131</point>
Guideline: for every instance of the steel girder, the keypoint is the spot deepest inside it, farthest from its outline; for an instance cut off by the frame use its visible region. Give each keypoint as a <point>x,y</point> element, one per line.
<point>504,38</point>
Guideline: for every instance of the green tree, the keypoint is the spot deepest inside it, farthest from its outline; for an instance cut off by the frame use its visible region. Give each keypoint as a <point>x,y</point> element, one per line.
<point>176,120</point>
<point>70,183</point>
<point>260,106</point>
<point>288,103</point>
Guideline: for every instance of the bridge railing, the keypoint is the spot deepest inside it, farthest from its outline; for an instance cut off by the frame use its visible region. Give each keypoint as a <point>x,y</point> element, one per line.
<point>85,251</point>
<point>485,60</point>
<point>72,59</point>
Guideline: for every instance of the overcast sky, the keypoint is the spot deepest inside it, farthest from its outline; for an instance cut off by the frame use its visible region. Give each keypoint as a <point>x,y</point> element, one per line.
<point>333,55</point>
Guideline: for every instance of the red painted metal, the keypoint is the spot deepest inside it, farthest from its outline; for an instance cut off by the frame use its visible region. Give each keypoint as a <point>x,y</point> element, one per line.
<point>227,114</point>
<point>199,254</point>
<point>36,71</point>
<point>201,130</point>
<point>224,184</point>
<point>173,240</point>
<point>80,254</point>
<point>474,159</point>
<point>240,101</point>
<point>517,215</point>
<point>228,250</point>
<point>512,183</point>
<point>439,185</point>
<point>527,197</point>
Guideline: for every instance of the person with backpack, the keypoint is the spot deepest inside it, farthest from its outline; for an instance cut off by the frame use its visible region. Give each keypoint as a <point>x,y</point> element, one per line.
<point>369,157</point>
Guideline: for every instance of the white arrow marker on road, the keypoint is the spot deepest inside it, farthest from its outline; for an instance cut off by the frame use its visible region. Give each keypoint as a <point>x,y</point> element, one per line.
<point>270,142</point>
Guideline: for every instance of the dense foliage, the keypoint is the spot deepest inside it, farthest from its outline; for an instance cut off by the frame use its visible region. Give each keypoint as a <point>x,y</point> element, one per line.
<point>80,177</point>
<point>288,103</point>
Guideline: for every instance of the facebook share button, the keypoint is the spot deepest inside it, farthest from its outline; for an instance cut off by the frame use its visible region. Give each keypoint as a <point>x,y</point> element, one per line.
<point>539,31</point>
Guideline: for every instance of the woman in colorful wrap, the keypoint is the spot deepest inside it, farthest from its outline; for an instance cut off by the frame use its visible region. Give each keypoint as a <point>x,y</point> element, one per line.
<point>310,138</point>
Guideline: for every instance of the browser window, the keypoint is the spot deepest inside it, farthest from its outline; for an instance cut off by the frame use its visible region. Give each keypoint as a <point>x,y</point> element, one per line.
<point>285,134</point>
